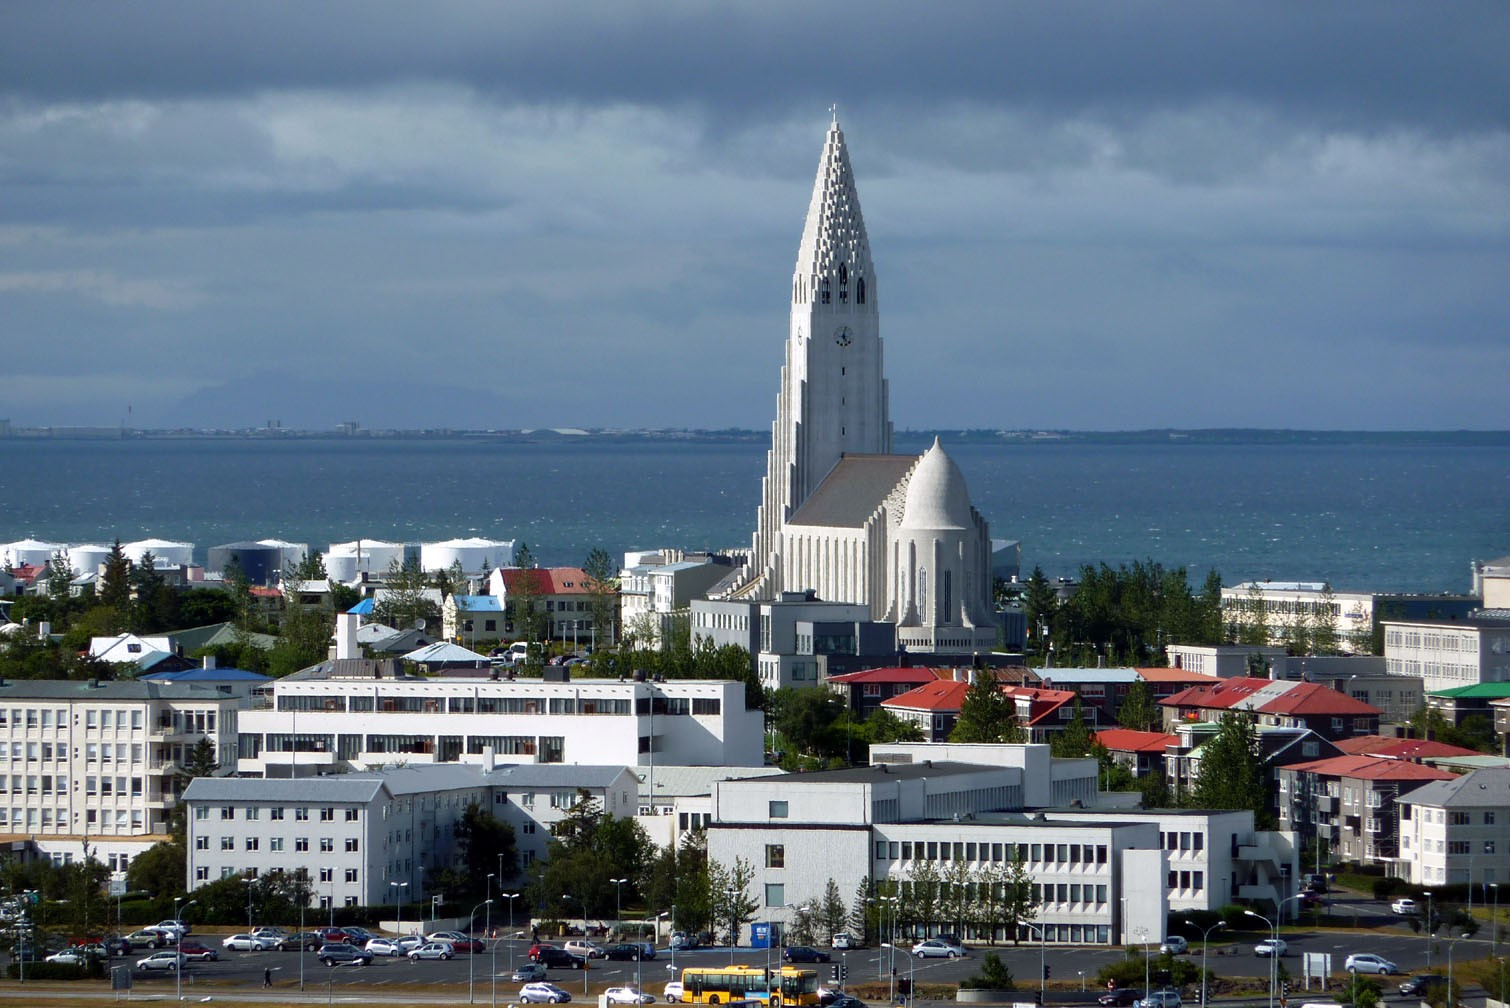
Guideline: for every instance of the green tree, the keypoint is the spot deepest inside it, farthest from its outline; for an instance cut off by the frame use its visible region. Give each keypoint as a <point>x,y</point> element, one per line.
<point>303,640</point>
<point>602,583</point>
<point>1076,739</point>
<point>405,600</point>
<point>830,911</point>
<point>1231,773</point>
<point>1324,638</point>
<point>114,591</point>
<point>1138,711</point>
<point>484,844</point>
<point>1040,604</point>
<point>729,889</point>
<point>1252,626</point>
<point>883,727</point>
<point>993,975</point>
<point>987,714</point>
<point>311,567</point>
<point>158,870</point>
<point>1018,902</point>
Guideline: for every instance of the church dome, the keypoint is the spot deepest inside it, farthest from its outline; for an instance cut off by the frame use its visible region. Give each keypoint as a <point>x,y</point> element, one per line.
<point>936,494</point>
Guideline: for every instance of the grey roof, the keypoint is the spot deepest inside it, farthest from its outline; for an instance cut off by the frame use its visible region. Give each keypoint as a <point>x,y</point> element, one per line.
<point>1485,786</point>
<point>678,781</point>
<point>99,690</point>
<point>559,775</point>
<point>889,771</point>
<point>1088,675</point>
<point>853,489</point>
<point>350,787</point>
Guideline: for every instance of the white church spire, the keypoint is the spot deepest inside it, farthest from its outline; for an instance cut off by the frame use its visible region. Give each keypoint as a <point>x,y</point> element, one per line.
<point>833,259</point>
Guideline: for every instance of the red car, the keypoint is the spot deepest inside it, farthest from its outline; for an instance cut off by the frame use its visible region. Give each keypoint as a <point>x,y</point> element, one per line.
<point>534,954</point>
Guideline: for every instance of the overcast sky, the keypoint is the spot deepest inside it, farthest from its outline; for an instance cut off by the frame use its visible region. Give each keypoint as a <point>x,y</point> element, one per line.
<point>1096,216</point>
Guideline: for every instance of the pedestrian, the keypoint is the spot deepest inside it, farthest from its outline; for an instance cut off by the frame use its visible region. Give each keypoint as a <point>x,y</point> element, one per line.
<point>267,977</point>
<point>534,934</point>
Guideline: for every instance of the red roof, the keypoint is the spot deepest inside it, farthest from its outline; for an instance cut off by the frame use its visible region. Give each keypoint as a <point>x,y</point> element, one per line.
<point>1041,702</point>
<point>27,572</point>
<point>1371,768</point>
<point>548,580</point>
<point>1401,748</point>
<point>890,675</point>
<point>263,592</point>
<point>1175,675</point>
<point>1272,696</point>
<point>942,695</point>
<point>1131,740</point>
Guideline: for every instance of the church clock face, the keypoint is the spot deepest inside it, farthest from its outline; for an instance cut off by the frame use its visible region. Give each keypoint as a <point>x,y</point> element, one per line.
<point>843,336</point>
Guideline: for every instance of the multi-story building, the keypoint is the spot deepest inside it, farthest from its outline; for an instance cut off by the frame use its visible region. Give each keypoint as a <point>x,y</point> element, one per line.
<point>562,592</point>
<point>1457,831</point>
<point>348,714</point>
<point>468,618</point>
<point>656,587</point>
<point>1225,661</point>
<point>533,797</point>
<point>1461,702</point>
<point>96,763</point>
<point>1351,803</point>
<point>1449,654</point>
<point>1273,703</point>
<point>789,636</point>
<point>1285,607</point>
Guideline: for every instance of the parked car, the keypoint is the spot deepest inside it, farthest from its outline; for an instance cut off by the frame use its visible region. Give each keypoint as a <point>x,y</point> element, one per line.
<point>178,927</point>
<point>433,950</point>
<point>1121,997</point>
<point>446,936</point>
<point>343,952</point>
<point>1424,985</point>
<point>409,942</point>
<point>78,955</point>
<point>248,943</point>
<point>336,936</point>
<point>627,995</point>
<point>1270,947</point>
<point>1174,945</point>
<point>301,939</point>
<point>470,945</point>
<point>1405,907</point>
<point>195,951</point>
<point>150,938</point>
<point>1316,882</point>
<point>584,948</point>
<point>386,947</point>
<point>631,951</point>
<point>529,971</point>
<point>1367,962</point>
<point>938,948</point>
<point>841,941</point>
<point>1160,999</point>
<point>673,992</point>
<point>168,959</point>
<point>846,1001</point>
<point>537,948</point>
<point>556,958</point>
<point>681,941</point>
<point>358,935</point>
<point>543,993</point>
<point>803,954</point>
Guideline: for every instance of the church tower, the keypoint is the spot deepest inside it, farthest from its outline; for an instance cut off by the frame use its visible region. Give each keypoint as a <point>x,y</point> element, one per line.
<point>833,398</point>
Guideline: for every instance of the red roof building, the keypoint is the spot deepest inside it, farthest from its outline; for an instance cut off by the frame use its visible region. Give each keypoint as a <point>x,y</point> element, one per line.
<point>1276,702</point>
<point>1412,750</point>
<point>561,591</point>
<point>1142,751</point>
<point>1350,801</point>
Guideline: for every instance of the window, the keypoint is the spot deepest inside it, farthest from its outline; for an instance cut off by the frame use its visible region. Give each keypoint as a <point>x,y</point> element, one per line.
<point>200,811</point>
<point>275,814</point>
<point>327,814</point>
<point>201,874</point>
<point>301,844</point>
<point>775,894</point>
<point>252,813</point>
<point>351,845</point>
<point>351,874</point>
<point>251,843</point>
<point>201,843</point>
<point>1488,818</point>
<point>775,855</point>
<point>778,810</point>
<point>301,815</point>
<point>227,843</point>
<point>227,812</point>
<point>275,843</point>
<point>327,845</point>
<point>351,815</point>
<point>327,874</point>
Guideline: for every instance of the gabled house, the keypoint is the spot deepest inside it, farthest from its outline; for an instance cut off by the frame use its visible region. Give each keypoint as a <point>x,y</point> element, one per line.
<point>472,617</point>
<point>1351,803</point>
<point>1407,749</point>
<point>560,591</point>
<point>1277,704</point>
<point>1140,751</point>
<point>1277,747</point>
<point>864,692</point>
<point>142,653</point>
<point>933,708</point>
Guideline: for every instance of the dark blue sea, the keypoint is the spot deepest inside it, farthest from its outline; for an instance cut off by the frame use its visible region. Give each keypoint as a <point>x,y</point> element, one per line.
<point>1366,515</point>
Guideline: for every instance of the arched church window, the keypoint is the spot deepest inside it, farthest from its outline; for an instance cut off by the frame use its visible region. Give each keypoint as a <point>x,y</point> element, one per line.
<point>860,291</point>
<point>824,289</point>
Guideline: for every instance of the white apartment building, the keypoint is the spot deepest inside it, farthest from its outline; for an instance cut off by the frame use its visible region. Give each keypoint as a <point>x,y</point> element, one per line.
<point>1225,661</point>
<point>96,762</point>
<point>323,720</point>
<point>923,812</point>
<point>1283,604</point>
<point>778,633</point>
<point>656,586</point>
<point>1450,654</point>
<point>1457,831</point>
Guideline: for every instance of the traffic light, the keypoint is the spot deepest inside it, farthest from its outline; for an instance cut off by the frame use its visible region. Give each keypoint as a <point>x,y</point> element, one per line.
<point>844,971</point>
<point>1046,971</point>
<point>904,987</point>
<point>834,974</point>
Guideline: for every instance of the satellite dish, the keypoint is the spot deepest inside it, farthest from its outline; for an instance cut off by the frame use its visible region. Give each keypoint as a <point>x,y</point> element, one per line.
<point>419,624</point>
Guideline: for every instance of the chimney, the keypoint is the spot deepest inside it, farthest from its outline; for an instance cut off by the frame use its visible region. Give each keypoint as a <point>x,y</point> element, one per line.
<point>489,762</point>
<point>209,661</point>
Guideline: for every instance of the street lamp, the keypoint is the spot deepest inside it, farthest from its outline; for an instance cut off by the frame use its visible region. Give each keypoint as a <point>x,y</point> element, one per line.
<point>733,924</point>
<point>178,964</point>
<point>1494,922</point>
<point>249,883</point>
<point>470,918</point>
<point>511,897</point>
<point>1042,974</point>
<point>1142,933</point>
<point>911,961</point>
<point>398,908</point>
<point>1451,996</point>
<point>1273,951</point>
<point>1205,940</point>
<point>330,985</point>
<point>567,896</point>
<point>618,906</point>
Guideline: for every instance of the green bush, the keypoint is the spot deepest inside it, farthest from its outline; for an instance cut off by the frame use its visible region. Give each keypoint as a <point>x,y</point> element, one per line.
<point>993,975</point>
<point>92,969</point>
<point>1385,888</point>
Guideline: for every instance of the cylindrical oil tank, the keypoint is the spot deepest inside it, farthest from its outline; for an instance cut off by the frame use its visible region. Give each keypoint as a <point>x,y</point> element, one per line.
<point>87,559</point>
<point>348,561</point>
<point>293,553</point>
<point>259,563</point>
<point>476,555</point>
<point>164,551</point>
<point>29,551</point>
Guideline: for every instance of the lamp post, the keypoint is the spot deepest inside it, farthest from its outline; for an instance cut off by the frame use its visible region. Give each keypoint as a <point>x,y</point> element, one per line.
<point>1494,922</point>
<point>178,964</point>
<point>911,962</point>
<point>487,936</point>
<point>398,908</point>
<point>511,897</point>
<point>1205,940</point>
<point>1451,995</point>
<point>567,896</point>
<point>1272,951</point>
<point>1142,934</point>
<point>301,887</point>
<point>470,956</point>
<point>1427,928</point>
<point>1042,978</point>
<point>249,883</point>
<point>618,906</point>
<point>330,985</point>
<point>733,924</point>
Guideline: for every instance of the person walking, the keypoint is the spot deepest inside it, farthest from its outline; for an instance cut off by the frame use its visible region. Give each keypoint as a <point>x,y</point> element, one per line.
<point>267,977</point>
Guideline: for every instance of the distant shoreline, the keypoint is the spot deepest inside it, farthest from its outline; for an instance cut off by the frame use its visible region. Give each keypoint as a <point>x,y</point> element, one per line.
<point>1247,436</point>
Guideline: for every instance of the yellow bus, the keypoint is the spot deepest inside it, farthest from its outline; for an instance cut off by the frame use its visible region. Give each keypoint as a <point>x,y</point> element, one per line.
<point>721,985</point>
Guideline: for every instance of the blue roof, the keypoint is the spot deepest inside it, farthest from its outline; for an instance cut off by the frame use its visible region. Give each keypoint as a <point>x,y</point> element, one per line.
<point>195,675</point>
<point>477,603</point>
<point>362,608</point>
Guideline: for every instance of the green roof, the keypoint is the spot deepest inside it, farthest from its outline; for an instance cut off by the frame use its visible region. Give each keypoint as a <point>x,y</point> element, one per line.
<point>1476,691</point>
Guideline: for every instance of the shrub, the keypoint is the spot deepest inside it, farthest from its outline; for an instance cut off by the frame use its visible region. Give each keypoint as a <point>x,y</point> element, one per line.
<point>993,975</point>
<point>92,969</point>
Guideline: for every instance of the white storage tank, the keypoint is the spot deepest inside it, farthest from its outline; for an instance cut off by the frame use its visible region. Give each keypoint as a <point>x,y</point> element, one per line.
<point>166,552</point>
<point>348,561</point>
<point>87,559</point>
<point>293,553</point>
<point>477,556</point>
<point>29,551</point>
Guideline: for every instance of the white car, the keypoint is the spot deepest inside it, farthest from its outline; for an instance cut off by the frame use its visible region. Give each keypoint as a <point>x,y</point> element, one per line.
<point>627,995</point>
<point>385,947</point>
<point>433,950</point>
<point>1174,945</point>
<point>248,943</point>
<point>937,948</point>
<point>673,992</point>
<point>167,959</point>
<point>1366,962</point>
<point>409,942</point>
<point>1405,907</point>
<point>543,993</point>
<point>68,957</point>
<point>585,949</point>
<point>177,927</point>
<point>1160,999</point>
<point>841,941</point>
<point>1271,947</point>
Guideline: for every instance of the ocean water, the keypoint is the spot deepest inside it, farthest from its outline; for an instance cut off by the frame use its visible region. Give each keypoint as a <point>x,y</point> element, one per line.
<point>1375,516</point>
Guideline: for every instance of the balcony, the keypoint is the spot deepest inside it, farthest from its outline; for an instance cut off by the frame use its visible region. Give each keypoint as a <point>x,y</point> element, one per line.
<point>1263,852</point>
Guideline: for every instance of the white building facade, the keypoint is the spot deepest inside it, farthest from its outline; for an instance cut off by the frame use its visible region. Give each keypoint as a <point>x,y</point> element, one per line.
<point>1448,655</point>
<point>1457,831</point>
